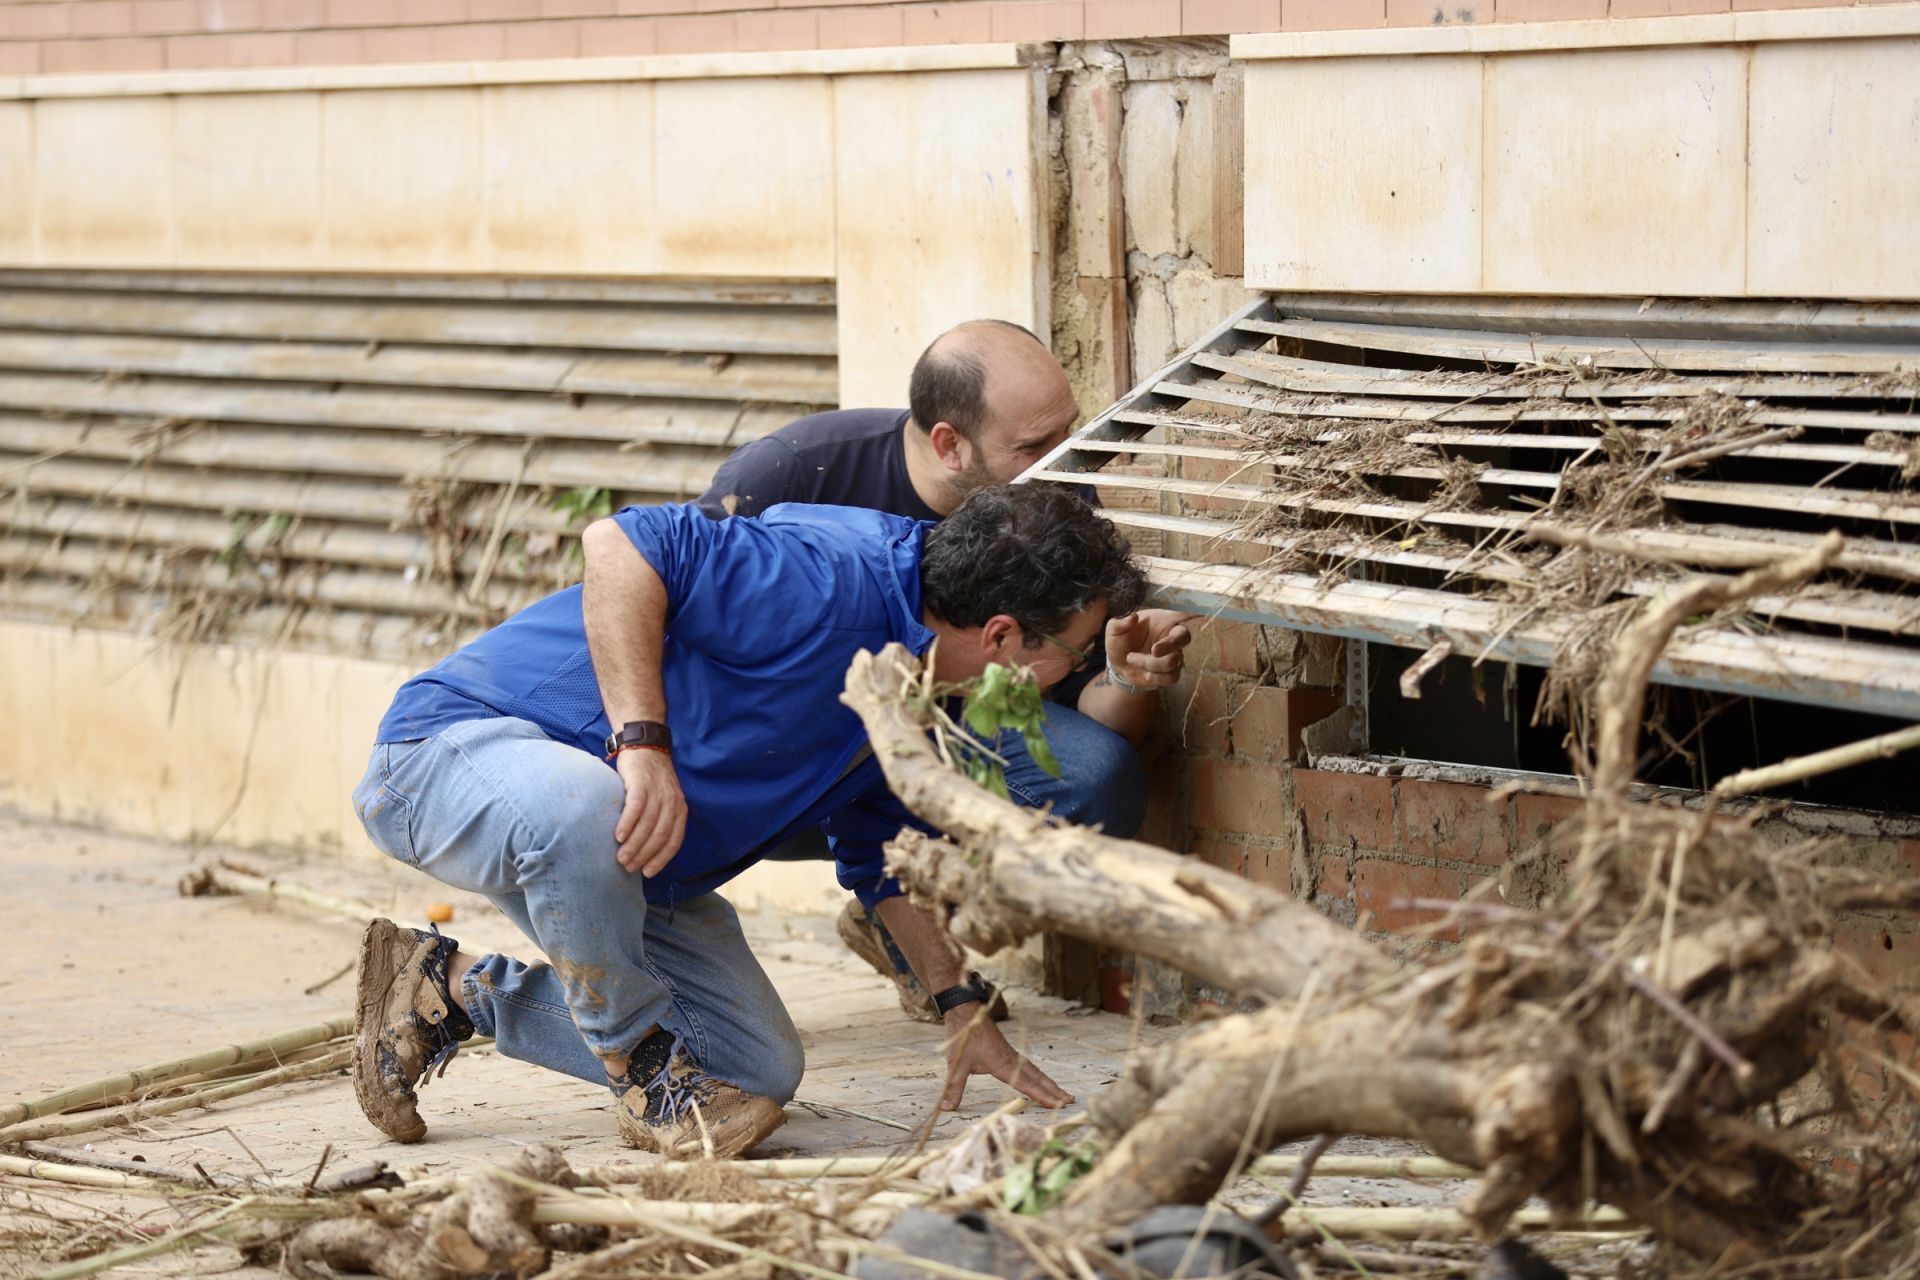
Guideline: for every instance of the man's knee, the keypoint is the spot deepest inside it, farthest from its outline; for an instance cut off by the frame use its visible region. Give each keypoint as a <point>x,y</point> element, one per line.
<point>786,1064</point>
<point>1102,778</point>
<point>1114,780</point>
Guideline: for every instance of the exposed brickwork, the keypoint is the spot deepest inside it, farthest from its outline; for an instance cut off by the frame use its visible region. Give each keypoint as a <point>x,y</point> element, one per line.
<point>149,35</point>
<point>1451,819</point>
<point>1383,890</point>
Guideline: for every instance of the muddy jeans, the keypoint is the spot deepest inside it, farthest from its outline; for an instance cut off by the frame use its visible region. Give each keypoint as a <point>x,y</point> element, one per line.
<point>496,807</point>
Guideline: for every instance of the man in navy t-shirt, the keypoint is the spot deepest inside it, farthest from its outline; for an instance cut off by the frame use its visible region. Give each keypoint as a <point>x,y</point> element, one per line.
<point>987,401</point>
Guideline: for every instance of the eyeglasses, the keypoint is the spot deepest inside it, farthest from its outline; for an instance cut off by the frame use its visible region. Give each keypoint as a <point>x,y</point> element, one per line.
<point>1080,656</point>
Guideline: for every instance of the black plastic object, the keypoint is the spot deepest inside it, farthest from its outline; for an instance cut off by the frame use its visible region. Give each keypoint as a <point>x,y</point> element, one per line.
<point>967,1241</point>
<point>1512,1260</point>
<point>1161,1243</point>
<point>1189,1242</point>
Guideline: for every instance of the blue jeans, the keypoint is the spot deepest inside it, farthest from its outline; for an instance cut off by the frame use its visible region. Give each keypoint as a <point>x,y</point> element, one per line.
<point>496,807</point>
<point>1101,782</point>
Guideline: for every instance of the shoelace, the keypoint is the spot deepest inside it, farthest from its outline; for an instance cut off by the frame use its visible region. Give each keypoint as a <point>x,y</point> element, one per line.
<point>455,1027</point>
<point>675,1098</point>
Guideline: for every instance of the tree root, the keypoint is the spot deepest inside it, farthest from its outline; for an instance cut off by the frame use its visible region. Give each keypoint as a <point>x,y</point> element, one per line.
<point>485,1228</point>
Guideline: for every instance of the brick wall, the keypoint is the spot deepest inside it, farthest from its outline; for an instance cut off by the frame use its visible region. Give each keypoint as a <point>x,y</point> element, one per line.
<point>61,36</point>
<point>1229,788</point>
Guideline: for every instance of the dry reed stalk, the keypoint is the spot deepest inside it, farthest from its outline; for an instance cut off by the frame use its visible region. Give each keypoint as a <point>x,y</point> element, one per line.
<point>268,1048</point>
<point>66,1126</point>
<point>1800,768</point>
<point>1329,1166</point>
<point>218,877</point>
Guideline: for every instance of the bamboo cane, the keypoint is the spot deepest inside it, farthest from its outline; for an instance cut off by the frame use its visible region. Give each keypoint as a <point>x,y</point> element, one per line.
<point>198,1080</point>
<point>143,1077</point>
<point>96,1160</point>
<point>1800,768</point>
<point>867,1166</point>
<point>66,1126</point>
<point>75,1175</point>
<point>1439,1222</point>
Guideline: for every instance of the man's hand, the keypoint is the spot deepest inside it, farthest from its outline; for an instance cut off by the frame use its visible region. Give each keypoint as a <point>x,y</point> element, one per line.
<point>654,818</point>
<point>975,1047</point>
<point>1147,646</point>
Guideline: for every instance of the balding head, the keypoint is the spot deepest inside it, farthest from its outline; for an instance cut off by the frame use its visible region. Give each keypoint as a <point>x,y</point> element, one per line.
<point>998,388</point>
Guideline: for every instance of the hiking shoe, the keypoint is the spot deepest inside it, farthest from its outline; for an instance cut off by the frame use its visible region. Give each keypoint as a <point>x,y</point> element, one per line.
<point>867,938</point>
<point>405,1023</point>
<point>667,1104</point>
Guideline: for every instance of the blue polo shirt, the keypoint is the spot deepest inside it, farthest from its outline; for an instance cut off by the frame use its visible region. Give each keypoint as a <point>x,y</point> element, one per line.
<point>764,617</point>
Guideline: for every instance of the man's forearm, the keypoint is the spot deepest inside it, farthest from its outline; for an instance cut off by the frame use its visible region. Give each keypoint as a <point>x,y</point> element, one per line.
<point>625,607</point>
<point>931,952</point>
<point>1128,714</point>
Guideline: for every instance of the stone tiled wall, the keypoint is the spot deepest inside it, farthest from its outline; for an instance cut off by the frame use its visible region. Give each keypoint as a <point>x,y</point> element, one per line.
<point>63,36</point>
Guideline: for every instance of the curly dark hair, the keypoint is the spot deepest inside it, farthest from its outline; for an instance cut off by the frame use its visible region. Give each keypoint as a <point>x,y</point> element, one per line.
<point>1035,552</point>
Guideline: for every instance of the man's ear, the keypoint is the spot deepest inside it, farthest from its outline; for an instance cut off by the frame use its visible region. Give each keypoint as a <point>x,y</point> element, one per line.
<point>949,446</point>
<point>1000,638</point>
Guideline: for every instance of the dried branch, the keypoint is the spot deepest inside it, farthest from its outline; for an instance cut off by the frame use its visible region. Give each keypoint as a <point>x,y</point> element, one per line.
<point>1800,768</point>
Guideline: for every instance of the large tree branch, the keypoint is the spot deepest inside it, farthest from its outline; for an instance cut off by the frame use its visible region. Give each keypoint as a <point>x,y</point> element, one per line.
<point>1037,874</point>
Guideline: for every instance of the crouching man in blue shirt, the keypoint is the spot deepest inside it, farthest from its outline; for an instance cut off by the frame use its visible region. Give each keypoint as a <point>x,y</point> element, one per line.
<point>600,763</point>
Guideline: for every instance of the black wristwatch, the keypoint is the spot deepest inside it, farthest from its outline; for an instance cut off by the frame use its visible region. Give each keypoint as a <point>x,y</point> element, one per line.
<point>974,988</point>
<point>640,733</point>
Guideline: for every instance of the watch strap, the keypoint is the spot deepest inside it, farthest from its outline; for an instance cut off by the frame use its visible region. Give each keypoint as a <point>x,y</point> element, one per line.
<point>974,988</point>
<point>640,733</point>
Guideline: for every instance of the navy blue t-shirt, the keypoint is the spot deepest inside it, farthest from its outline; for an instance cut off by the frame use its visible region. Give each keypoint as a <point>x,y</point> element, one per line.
<point>845,457</point>
<point>848,458</point>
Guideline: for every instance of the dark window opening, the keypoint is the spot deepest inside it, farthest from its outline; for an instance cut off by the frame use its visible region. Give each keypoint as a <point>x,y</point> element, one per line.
<point>1693,739</point>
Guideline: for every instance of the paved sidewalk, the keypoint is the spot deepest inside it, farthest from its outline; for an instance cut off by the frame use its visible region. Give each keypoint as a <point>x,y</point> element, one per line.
<point>112,968</point>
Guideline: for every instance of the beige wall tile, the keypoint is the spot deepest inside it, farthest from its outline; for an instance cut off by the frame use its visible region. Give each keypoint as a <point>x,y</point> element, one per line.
<point>26,701</point>
<point>216,698</point>
<point>16,183</point>
<point>1363,173</point>
<point>743,176</point>
<point>1834,198</point>
<point>362,692</point>
<point>1616,172</point>
<point>402,174</point>
<point>287,801</point>
<point>940,216</point>
<point>103,177</point>
<point>569,178</point>
<point>246,179</point>
<point>115,679</point>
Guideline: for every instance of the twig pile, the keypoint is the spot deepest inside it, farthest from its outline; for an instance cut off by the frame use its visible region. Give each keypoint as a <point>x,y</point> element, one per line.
<point>1677,1038</point>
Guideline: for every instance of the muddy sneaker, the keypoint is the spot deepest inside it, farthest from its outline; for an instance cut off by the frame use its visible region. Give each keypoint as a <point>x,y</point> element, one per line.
<point>667,1103</point>
<point>867,938</point>
<point>405,1024</point>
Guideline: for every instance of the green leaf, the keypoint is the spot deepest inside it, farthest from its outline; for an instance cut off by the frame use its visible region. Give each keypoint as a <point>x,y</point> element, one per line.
<point>1042,752</point>
<point>235,549</point>
<point>1035,1185</point>
<point>1004,698</point>
<point>585,503</point>
<point>1019,1188</point>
